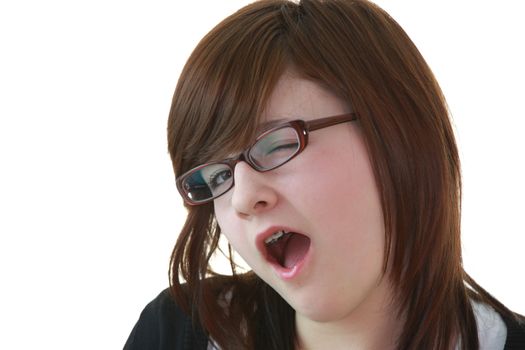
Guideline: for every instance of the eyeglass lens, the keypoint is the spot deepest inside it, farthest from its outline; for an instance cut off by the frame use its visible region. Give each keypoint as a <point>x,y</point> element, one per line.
<point>272,150</point>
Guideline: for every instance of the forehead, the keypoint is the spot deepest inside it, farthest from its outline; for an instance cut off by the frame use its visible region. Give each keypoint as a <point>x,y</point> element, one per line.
<point>295,97</point>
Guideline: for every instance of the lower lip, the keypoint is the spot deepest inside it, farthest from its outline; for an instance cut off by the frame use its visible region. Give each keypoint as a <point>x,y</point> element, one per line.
<point>291,273</point>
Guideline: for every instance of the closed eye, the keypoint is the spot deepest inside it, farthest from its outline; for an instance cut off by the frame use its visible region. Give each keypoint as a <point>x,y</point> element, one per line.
<point>287,146</point>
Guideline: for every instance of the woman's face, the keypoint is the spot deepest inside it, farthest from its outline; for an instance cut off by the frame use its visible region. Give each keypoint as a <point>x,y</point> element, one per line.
<point>331,267</point>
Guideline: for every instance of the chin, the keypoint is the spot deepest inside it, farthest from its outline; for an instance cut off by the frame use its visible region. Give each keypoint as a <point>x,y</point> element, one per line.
<point>321,315</point>
<point>321,309</point>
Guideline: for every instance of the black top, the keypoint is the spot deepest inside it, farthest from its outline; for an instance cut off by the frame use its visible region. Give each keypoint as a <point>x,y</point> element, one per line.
<point>163,326</point>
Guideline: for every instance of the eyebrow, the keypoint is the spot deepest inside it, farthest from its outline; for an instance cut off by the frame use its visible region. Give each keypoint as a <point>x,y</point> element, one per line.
<point>272,123</point>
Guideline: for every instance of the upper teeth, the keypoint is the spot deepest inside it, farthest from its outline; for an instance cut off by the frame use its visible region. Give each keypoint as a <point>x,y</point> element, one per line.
<point>275,237</point>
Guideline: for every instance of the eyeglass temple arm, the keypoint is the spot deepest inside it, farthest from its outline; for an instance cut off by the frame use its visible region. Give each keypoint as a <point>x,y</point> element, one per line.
<point>329,121</point>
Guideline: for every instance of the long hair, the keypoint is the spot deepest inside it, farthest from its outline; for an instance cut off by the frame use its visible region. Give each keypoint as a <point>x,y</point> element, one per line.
<point>364,57</point>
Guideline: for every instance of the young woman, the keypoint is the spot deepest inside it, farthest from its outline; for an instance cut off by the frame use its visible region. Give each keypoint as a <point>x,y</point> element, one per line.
<point>314,136</point>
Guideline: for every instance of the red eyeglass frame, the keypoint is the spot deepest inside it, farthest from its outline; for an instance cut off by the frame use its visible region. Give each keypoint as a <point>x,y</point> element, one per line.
<point>302,127</point>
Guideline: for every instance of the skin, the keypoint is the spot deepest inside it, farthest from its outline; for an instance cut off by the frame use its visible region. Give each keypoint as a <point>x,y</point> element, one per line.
<point>328,192</point>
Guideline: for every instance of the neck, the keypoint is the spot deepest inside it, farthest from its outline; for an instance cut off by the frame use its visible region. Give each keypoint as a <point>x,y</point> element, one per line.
<point>372,325</point>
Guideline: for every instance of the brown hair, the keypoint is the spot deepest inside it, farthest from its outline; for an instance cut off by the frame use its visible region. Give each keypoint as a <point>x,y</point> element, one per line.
<point>366,58</point>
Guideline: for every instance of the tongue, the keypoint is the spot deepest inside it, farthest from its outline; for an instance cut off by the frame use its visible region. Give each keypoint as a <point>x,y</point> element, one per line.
<point>296,247</point>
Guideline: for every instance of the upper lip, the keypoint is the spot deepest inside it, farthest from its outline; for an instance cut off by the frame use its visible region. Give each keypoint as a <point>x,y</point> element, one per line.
<point>263,235</point>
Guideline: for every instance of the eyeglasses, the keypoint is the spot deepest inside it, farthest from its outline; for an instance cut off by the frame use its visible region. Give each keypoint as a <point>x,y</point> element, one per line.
<point>271,149</point>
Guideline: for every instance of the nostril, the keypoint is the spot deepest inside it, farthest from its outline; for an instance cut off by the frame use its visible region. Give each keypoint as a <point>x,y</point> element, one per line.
<point>260,205</point>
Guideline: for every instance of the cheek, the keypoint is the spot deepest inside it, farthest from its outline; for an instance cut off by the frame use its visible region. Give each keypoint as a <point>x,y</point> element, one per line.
<point>343,198</point>
<point>341,185</point>
<point>231,227</point>
<point>349,207</point>
<point>222,215</point>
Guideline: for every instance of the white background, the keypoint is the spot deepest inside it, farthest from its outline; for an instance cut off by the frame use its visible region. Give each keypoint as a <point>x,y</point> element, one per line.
<point>88,207</point>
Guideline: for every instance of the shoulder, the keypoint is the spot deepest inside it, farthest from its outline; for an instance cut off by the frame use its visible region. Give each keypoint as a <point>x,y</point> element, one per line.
<point>163,325</point>
<point>501,329</point>
<point>515,333</point>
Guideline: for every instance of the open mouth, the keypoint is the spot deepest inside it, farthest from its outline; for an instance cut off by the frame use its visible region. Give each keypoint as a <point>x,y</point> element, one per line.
<point>286,248</point>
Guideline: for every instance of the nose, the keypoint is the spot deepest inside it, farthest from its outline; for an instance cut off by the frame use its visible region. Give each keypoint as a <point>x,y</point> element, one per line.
<point>252,194</point>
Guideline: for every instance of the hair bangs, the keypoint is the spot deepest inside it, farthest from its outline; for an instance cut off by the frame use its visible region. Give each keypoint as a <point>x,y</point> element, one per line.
<point>224,86</point>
